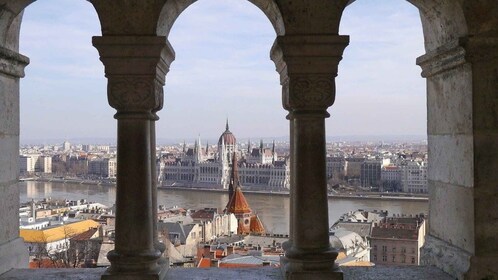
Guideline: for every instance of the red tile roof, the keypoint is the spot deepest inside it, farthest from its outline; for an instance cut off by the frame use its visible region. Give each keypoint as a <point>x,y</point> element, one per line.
<point>238,203</point>
<point>256,225</point>
<point>204,263</point>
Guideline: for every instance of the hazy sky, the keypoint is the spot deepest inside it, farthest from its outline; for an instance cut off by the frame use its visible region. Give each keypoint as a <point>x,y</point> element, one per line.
<point>222,69</point>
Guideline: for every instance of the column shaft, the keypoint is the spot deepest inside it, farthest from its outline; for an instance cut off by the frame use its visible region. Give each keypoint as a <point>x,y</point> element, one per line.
<point>134,248</point>
<point>309,193</point>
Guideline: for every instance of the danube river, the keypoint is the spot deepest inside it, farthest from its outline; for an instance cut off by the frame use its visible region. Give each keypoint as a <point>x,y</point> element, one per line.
<point>272,209</point>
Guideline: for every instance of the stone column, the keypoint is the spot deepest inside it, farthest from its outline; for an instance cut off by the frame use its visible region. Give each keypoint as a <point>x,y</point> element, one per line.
<point>13,253</point>
<point>308,67</point>
<point>135,67</point>
<point>462,132</point>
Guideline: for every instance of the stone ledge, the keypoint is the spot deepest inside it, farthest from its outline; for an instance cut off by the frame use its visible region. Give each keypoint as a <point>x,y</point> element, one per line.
<point>267,273</point>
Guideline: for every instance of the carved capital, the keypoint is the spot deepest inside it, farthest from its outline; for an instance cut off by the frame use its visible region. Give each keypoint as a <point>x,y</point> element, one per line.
<point>307,65</point>
<point>308,54</point>
<point>130,94</point>
<point>309,93</point>
<point>136,68</point>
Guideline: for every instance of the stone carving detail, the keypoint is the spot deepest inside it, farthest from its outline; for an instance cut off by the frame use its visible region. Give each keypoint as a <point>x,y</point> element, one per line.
<point>135,93</point>
<point>310,93</point>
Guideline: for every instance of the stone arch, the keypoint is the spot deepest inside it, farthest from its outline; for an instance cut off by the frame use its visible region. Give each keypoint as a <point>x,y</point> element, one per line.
<point>10,22</point>
<point>442,21</point>
<point>173,8</point>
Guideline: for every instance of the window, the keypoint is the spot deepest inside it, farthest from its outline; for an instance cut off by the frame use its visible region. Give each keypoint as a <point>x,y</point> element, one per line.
<point>375,257</point>
<point>394,249</point>
<point>394,259</point>
<point>413,250</point>
<point>384,248</point>
<point>403,259</point>
<point>384,258</point>
<point>403,249</point>
<point>375,247</point>
<point>413,259</point>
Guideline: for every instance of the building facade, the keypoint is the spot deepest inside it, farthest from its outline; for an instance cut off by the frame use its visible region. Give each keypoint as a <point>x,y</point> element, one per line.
<point>259,167</point>
<point>29,164</point>
<point>397,241</point>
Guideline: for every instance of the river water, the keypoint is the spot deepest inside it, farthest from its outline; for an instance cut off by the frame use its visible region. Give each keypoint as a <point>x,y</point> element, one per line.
<point>272,209</point>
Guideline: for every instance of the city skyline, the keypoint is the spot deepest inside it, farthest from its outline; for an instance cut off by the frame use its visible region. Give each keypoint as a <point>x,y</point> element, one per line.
<point>223,69</point>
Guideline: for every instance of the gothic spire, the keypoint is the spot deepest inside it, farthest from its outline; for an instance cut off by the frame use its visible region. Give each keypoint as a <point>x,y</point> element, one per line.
<point>234,177</point>
<point>249,147</point>
<point>226,127</point>
<point>273,152</point>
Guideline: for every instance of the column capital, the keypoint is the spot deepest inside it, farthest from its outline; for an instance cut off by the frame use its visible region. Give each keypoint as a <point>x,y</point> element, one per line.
<point>12,63</point>
<point>470,49</point>
<point>136,68</point>
<point>308,65</point>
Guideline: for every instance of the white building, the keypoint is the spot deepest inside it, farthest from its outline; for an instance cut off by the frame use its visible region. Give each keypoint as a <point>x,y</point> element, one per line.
<point>200,167</point>
<point>414,177</point>
<point>32,163</point>
<point>408,176</point>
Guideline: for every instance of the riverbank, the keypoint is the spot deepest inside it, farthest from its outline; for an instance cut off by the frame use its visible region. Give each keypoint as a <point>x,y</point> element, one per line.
<point>362,195</point>
<point>357,195</point>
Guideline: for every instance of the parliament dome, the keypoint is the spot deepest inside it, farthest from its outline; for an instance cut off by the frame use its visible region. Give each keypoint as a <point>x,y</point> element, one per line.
<point>227,137</point>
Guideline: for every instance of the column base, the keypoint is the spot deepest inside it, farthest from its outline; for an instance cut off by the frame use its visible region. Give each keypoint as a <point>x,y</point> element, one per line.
<point>293,269</point>
<point>158,274</point>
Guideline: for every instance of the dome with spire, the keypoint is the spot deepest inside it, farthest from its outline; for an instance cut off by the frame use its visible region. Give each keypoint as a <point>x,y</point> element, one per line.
<point>227,137</point>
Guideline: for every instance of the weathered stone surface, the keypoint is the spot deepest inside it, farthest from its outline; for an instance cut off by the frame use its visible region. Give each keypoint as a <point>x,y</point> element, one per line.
<point>449,258</point>
<point>451,214</point>
<point>268,273</point>
<point>9,106</point>
<point>13,254</point>
<point>9,161</point>
<point>443,21</point>
<point>451,159</point>
<point>449,102</point>
<point>9,207</point>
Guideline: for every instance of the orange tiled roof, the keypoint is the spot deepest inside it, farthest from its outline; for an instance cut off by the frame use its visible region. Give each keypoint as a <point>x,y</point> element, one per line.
<point>238,203</point>
<point>257,225</point>
<point>204,262</point>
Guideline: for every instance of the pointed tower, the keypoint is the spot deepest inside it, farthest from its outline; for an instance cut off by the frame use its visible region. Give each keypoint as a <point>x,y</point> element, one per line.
<point>234,178</point>
<point>238,205</point>
<point>198,149</point>
<point>273,153</point>
<point>184,147</point>
<point>207,148</point>
<point>249,147</point>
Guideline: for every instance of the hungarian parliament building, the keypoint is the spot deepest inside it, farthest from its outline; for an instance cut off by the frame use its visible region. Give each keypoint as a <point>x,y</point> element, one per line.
<point>259,167</point>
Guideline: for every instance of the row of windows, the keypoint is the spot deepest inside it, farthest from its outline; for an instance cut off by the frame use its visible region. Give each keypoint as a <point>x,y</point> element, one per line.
<point>393,249</point>
<point>393,259</point>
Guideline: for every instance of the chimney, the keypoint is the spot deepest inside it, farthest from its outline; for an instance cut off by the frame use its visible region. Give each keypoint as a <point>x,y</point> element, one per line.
<point>229,250</point>
<point>206,251</point>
